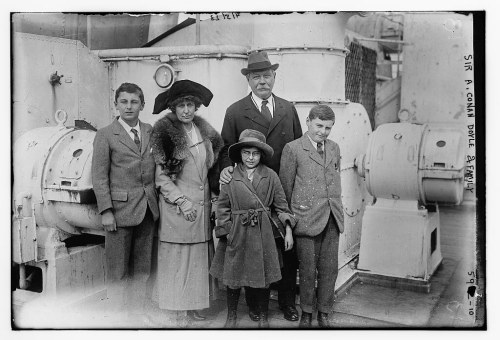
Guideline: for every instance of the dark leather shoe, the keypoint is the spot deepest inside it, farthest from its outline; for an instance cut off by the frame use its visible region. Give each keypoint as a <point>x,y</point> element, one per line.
<point>290,313</point>
<point>194,315</point>
<point>323,321</point>
<point>231,319</point>
<point>263,322</point>
<point>253,314</point>
<point>305,320</point>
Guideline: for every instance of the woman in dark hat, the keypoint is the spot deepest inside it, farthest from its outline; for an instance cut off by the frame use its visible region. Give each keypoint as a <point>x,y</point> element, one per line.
<point>246,255</point>
<point>186,148</point>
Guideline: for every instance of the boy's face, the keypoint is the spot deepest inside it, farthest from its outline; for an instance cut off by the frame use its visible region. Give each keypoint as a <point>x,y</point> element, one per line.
<point>250,157</point>
<point>129,105</point>
<point>319,129</point>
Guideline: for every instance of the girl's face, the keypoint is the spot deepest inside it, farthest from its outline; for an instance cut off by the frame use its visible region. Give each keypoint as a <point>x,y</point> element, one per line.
<point>185,111</point>
<point>250,157</point>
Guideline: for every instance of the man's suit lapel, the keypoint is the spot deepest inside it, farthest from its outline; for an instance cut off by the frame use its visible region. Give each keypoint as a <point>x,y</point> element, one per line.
<point>251,112</point>
<point>313,153</point>
<point>329,149</point>
<point>279,113</point>
<point>124,137</point>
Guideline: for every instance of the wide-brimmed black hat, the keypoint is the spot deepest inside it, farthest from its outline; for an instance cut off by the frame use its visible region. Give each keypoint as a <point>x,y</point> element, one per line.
<point>249,138</point>
<point>258,61</point>
<point>182,88</point>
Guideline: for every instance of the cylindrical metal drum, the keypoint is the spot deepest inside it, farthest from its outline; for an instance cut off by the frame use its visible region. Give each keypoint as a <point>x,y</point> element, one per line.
<point>310,51</point>
<point>391,162</point>
<point>54,166</point>
<point>442,165</point>
<point>415,162</point>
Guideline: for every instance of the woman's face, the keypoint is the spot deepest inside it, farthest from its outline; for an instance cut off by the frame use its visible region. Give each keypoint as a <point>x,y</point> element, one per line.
<point>185,111</point>
<point>250,156</point>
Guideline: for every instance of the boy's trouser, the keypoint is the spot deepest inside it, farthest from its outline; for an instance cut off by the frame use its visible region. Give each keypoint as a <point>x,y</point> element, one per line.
<point>128,263</point>
<point>319,253</point>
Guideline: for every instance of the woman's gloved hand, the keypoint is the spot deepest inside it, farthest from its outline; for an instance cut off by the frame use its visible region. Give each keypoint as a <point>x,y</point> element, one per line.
<point>187,208</point>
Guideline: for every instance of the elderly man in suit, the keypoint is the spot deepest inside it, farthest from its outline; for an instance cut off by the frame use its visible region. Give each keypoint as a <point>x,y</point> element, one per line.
<point>123,172</point>
<point>310,175</point>
<point>277,119</point>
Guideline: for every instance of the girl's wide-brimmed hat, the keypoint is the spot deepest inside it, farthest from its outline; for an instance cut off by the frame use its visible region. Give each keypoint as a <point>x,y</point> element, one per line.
<point>258,61</point>
<point>182,88</point>
<point>249,138</point>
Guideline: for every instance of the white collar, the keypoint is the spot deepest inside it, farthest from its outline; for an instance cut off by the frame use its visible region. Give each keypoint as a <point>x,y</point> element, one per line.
<point>127,127</point>
<point>315,144</point>
<point>258,101</point>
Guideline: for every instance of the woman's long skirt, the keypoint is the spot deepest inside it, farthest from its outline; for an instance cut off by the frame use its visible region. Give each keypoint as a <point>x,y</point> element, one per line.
<point>183,278</point>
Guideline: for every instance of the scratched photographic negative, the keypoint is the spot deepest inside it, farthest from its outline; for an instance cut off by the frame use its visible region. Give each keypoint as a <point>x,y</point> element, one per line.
<point>110,112</point>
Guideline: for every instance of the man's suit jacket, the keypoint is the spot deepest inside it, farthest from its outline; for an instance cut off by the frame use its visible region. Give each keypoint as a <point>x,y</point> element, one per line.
<point>312,186</point>
<point>123,177</point>
<point>284,127</point>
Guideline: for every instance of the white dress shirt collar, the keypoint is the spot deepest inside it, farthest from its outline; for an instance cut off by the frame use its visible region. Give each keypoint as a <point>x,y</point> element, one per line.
<point>129,128</point>
<point>258,103</point>
<point>315,144</point>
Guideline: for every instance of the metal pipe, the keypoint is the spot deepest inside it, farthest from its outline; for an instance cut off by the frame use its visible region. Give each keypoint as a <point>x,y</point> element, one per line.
<point>307,49</point>
<point>315,102</point>
<point>401,42</point>
<point>381,77</point>
<point>89,32</point>
<point>23,284</point>
<point>394,21</point>
<point>198,29</point>
<point>171,50</point>
<point>191,56</point>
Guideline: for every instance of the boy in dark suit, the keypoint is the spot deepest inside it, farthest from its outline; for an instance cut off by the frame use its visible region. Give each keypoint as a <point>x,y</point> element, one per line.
<point>310,175</point>
<point>123,172</point>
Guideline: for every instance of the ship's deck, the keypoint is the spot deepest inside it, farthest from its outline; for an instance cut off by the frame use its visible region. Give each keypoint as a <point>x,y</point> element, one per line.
<point>360,306</point>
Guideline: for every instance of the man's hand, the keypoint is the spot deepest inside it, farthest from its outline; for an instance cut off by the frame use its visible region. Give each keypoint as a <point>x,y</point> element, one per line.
<point>188,209</point>
<point>108,220</point>
<point>288,239</point>
<point>226,175</point>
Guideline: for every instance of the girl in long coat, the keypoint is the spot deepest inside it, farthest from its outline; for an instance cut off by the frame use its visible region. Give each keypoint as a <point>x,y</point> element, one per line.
<point>185,148</point>
<point>246,255</point>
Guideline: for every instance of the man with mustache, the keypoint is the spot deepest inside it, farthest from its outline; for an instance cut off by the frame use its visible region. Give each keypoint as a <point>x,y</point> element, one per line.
<point>310,175</point>
<point>277,119</point>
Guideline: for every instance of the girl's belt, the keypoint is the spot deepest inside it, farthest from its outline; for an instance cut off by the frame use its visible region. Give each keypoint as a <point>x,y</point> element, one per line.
<point>249,216</point>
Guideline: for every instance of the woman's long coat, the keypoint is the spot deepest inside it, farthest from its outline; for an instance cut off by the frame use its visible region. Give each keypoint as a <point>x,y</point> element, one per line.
<point>180,173</point>
<point>249,257</point>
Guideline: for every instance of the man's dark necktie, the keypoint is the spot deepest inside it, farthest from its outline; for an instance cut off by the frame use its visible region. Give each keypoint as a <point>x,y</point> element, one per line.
<point>265,111</point>
<point>137,141</point>
<point>320,150</point>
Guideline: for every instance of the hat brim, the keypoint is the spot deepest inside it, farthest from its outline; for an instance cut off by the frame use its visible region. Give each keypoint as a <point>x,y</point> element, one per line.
<point>160,102</point>
<point>235,154</point>
<point>182,88</point>
<point>246,71</point>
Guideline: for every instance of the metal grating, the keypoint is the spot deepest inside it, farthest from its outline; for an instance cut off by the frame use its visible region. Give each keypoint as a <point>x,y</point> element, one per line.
<point>360,77</point>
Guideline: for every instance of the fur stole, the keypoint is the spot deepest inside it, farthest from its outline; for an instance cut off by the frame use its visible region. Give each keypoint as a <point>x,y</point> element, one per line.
<point>170,148</point>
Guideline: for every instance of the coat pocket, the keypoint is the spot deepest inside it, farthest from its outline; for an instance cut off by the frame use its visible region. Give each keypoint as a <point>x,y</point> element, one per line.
<point>119,196</point>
